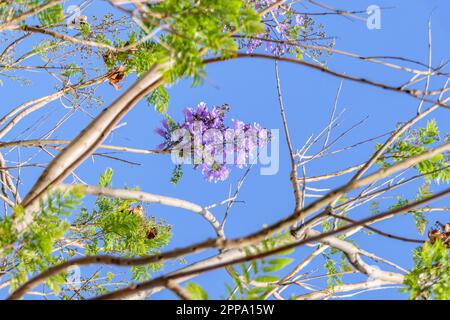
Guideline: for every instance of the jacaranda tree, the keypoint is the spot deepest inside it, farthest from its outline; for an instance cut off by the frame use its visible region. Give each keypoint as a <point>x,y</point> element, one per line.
<point>56,235</point>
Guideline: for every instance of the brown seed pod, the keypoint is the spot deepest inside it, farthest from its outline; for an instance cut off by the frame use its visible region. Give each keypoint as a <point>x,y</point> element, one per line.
<point>447,229</point>
<point>116,76</point>
<point>138,210</point>
<point>152,233</point>
<point>435,234</point>
<point>132,50</point>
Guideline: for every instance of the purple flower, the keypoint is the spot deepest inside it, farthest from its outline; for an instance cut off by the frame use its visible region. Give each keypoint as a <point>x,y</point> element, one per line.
<point>212,143</point>
<point>202,110</point>
<point>161,146</point>
<point>253,44</point>
<point>161,132</point>
<point>165,124</point>
<point>281,29</point>
<point>215,172</point>
<point>282,26</point>
<point>238,125</point>
<point>188,114</point>
<point>299,20</point>
<point>165,133</point>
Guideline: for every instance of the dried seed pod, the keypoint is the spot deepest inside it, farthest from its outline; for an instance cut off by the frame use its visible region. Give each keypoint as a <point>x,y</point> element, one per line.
<point>82,20</point>
<point>79,21</point>
<point>435,234</point>
<point>132,50</point>
<point>138,210</point>
<point>116,76</point>
<point>447,229</point>
<point>152,233</point>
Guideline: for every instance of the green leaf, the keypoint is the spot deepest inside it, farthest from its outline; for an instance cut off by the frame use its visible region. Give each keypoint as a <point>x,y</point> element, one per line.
<point>196,291</point>
<point>277,264</point>
<point>160,99</point>
<point>430,277</point>
<point>267,278</point>
<point>109,276</point>
<point>105,178</point>
<point>177,174</point>
<point>51,16</point>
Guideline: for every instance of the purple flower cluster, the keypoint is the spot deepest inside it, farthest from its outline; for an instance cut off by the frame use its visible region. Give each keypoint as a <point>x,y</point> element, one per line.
<point>279,33</point>
<point>204,140</point>
<point>165,133</point>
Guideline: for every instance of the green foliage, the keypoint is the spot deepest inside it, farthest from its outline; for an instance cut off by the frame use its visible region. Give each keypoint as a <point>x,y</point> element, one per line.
<point>114,226</point>
<point>277,264</point>
<point>430,277</point>
<point>420,220</point>
<point>11,9</point>
<point>105,179</point>
<point>416,142</point>
<point>330,265</point>
<point>418,215</point>
<point>146,55</point>
<point>335,266</point>
<point>196,29</point>
<point>160,99</point>
<point>256,279</point>
<point>38,243</point>
<point>71,70</point>
<point>303,32</point>
<point>192,30</point>
<point>401,202</point>
<point>44,48</point>
<point>375,207</point>
<point>177,174</point>
<point>85,29</point>
<point>51,16</point>
<point>196,292</point>
<point>101,38</point>
<point>435,170</point>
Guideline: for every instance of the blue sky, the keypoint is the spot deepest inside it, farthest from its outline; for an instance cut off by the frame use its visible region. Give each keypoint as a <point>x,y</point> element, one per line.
<point>248,86</point>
